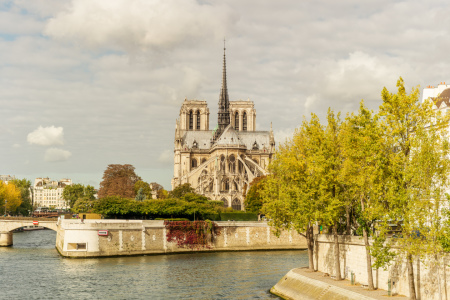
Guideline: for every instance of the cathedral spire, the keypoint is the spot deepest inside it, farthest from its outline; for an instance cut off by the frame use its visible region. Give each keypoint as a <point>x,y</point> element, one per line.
<point>224,103</point>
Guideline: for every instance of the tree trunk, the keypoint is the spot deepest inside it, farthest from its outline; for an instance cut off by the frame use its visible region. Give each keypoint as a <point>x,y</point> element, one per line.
<point>418,278</point>
<point>368,256</point>
<point>445,277</point>
<point>347,212</point>
<point>337,265</point>
<point>310,242</point>
<point>368,261</point>
<point>412,289</point>
<point>316,247</point>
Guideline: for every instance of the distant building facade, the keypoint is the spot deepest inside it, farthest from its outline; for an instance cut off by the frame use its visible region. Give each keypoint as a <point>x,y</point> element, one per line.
<point>6,178</point>
<point>48,193</point>
<point>219,163</point>
<point>440,95</point>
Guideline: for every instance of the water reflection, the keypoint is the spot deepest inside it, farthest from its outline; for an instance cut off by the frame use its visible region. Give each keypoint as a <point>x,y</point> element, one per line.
<point>34,268</point>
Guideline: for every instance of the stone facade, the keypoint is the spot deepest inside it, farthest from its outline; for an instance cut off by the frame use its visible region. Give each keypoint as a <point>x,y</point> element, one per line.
<point>219,163</point>
<point>138,237</point>
<point>48,193</point>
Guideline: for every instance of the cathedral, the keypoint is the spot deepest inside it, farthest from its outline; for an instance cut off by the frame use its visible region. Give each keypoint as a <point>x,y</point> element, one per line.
<point>219,163</point>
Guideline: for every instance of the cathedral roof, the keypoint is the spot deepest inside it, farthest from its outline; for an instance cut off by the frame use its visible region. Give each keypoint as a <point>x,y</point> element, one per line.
<point>252,140</point>
<point>262,139</point>
<point>229,137</point>
<point>202,138</point>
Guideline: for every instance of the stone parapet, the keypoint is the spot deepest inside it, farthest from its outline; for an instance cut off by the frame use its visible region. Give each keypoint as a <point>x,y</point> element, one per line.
<point>98,238</point>
<point>433,272</point>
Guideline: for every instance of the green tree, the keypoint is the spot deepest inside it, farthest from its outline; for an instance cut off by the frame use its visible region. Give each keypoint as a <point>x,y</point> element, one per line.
<point>327,162</point>
<point>72,193</point>
<point>181,190</point>
<point>253,198</point>
<point>118,180</point>
<point>162,194</point>
<point>418,171</point>
<point>146,190</point>
<point>84,205</point>
<point>291,194</point>
<point>24,186</point>
<point>364,158</point>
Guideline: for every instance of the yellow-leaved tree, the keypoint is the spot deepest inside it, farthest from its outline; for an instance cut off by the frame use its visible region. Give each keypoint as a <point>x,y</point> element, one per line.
<point>9,197</point>
<point>418,168</point>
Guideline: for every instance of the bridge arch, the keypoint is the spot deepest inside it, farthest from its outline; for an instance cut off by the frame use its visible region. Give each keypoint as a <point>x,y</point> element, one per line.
<point>8,225</point>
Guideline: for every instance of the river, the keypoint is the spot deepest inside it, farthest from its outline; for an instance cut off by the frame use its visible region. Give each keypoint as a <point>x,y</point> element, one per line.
<point>33,269</point>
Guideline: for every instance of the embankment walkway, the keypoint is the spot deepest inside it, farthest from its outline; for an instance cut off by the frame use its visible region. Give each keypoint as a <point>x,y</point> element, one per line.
<point>302,284</point>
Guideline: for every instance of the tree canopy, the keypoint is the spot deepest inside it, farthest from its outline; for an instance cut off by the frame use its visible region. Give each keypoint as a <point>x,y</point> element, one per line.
<point>364,174</point>
<point>10,198</point>
<point>72,193</point>
<point>119,180</point>
<point>253,198</point>
<point>24,187</point>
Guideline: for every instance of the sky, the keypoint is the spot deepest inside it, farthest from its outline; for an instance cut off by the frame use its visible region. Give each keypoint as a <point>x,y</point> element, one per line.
<point>88,83</point>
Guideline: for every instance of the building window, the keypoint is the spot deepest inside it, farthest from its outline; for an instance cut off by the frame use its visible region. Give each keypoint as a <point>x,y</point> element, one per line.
<point>191,120</point>
<point>236,204</point>
<point>236,121</point>
<point>193,163</point>
<point>225,202</point>
<point>232,164</point>
<point>198,120</point>
<point>244,122</point>
<point>222,163</point>
<point>225,185</point>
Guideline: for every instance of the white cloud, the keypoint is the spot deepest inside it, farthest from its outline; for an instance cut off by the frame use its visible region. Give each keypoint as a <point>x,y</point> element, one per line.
<point>139,24</point>
<point>56,154</point>
<point>46,136</point>
<point>166,157</point>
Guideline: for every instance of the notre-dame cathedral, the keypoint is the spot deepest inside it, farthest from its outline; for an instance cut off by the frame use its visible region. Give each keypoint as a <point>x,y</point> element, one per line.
<point>219,163</point>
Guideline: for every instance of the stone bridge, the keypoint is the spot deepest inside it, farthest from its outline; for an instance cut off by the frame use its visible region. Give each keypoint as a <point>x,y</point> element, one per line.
<point>9,224</point>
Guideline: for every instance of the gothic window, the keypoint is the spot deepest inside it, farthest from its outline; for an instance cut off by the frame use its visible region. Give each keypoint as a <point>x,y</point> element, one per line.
<point>191,120</point>
<point>198,120</point>
<point>193,163</point>
<point>236,121</point>
<point>222,163</point>
<point>225,202</point>
<point>236,204</point>
<point>232,164</point>
<point>203,160</point>
<point>225,185</point>
<point>244,122</point>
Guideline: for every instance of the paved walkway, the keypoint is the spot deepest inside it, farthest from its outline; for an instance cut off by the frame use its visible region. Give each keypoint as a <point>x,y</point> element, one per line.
<point>345,284</point>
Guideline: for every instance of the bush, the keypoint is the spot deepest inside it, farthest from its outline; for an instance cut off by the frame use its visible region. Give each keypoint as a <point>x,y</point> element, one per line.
<point>239,216</point>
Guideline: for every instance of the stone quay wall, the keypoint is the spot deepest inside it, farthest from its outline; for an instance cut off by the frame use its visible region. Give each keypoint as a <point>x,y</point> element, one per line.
<point>139,237</point>
<point>433,273</point>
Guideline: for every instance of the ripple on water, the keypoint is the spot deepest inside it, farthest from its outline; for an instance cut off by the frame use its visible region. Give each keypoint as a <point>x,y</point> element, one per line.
<point>32,269</point>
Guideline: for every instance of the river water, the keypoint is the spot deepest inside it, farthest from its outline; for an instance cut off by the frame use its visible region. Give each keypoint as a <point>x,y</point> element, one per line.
<point>33,269</point>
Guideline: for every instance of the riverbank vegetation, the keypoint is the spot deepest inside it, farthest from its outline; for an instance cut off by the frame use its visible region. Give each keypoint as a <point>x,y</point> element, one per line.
<point>367,174</point>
